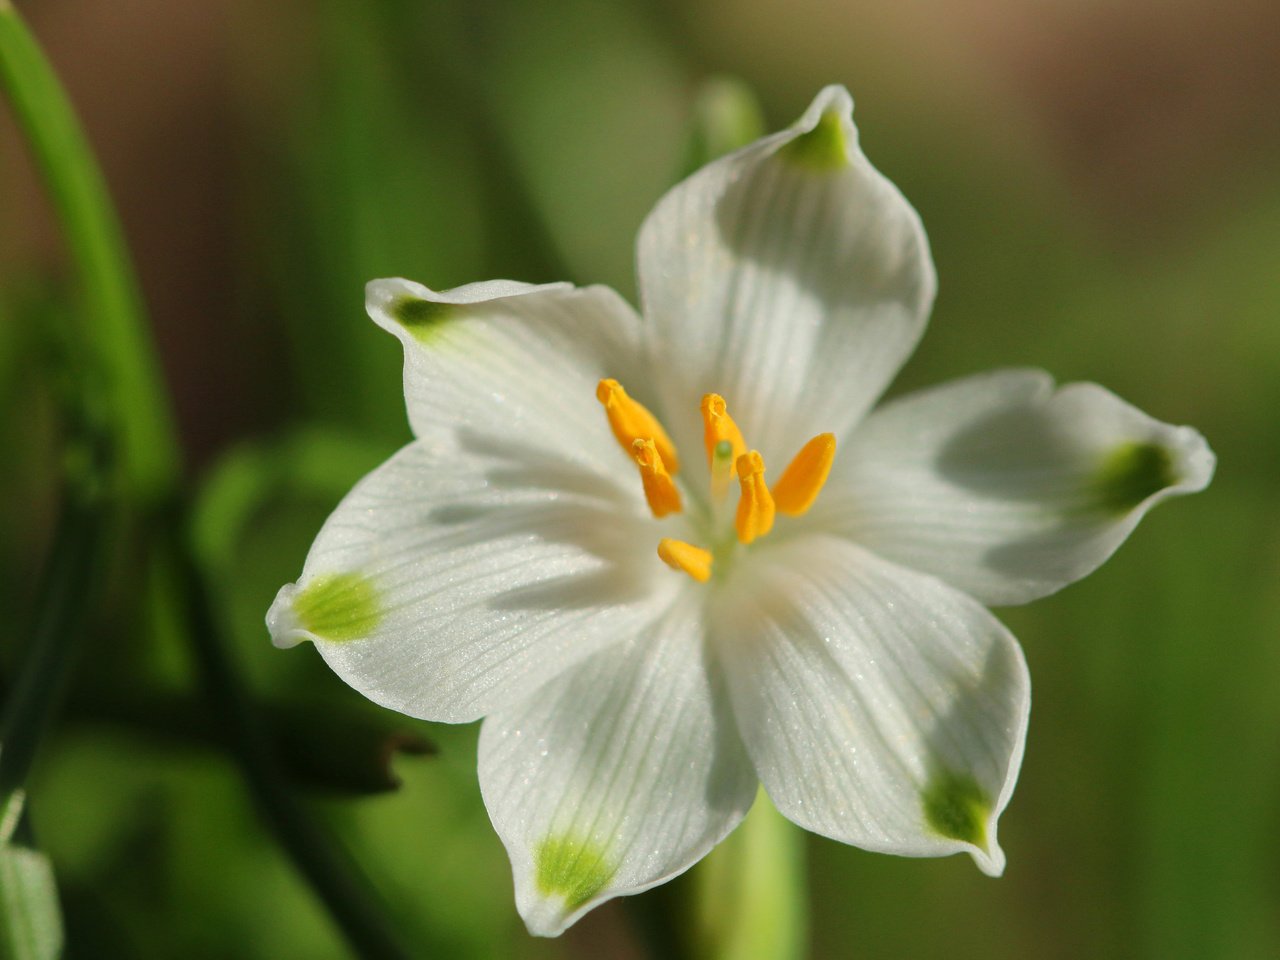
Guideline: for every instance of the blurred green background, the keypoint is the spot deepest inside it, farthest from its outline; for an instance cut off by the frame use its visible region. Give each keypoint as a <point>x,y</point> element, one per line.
<point>1099,182</point>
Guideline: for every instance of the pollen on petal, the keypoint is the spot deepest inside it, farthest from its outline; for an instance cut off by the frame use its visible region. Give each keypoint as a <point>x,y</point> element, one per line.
<point>631,421</point>
<point>678,555</point>
<point>802,481</point>
<point>755,506</point>
<point>717,427</point>
<point>659,489</point>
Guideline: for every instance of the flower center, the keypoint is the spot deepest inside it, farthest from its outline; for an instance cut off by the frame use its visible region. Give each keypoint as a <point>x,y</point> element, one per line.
<point>642,437</point>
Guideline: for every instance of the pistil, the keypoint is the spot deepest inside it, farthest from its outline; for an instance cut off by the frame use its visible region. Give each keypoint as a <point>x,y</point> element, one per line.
<point>718,427</point>
<point>723,464</point>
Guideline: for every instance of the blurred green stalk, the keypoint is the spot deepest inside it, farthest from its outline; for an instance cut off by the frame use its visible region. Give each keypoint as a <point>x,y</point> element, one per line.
<point>751,894</point>
<point>65,595</point>
<point>138,420</point>
<point>30,916</point>
<point>726,117</point>
<point>114,319</point>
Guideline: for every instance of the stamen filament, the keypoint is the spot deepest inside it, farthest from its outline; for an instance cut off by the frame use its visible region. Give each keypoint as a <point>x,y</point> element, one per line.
<point>755,506</point>
<point>722,470</point>
<point>802,481</point>
<point>659,489</point>
<point>685,557</point>
<point>717,427</point>
<point>632,421</point>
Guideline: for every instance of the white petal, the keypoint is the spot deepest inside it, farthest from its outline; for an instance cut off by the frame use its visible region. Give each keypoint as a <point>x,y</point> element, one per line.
<point>1002,486</point>
<point>506,357</point>
<point>880,707</point>
<point>460,575</point>
<point>617,776</point>
<point>791,277</point>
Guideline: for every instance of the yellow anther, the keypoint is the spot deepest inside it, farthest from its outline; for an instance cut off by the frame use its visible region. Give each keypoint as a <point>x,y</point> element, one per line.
<point>631,421</point>
<point>659,489</point>
<point>755,507</point>
<point>801,482</point>
<point>679,555</point>
<point>718,426</point>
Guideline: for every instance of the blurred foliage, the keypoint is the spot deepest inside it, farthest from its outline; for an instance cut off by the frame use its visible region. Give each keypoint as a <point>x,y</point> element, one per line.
<point>456,142</point>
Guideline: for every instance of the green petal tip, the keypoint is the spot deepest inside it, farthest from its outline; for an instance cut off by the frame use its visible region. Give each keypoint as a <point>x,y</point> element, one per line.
<point>957,808</point>
<point>823,147</point>
<point>339,606</point>
<point>573,869</point>
<point>1131,473</point>
<point>420,317</point>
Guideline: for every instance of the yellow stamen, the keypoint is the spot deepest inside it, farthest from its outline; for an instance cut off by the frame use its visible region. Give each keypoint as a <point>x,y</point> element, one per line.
<point>718,426</point>
<point>679,555</point>
<point>802,481</point>
<point>631,421</point>
<point>755,507</point>
<point>659,489</point>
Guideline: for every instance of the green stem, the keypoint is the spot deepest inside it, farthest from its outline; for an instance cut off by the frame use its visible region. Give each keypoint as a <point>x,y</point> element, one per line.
<point>750,901</point>
<point>64,598</point>
<point>112,307</point>
<point>332,873</point>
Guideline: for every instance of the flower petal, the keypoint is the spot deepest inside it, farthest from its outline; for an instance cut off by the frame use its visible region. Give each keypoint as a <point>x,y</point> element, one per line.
<point>513,358</point>
<point>465,571</point>
<point>790,277</point>
<point>616,776</point>
<point>1005,488</point>
<point>880,707</point>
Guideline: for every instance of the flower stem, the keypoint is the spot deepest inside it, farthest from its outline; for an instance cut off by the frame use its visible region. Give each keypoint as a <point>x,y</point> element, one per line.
<point>30,916</point>
<point>750,892</point>
<point>64,597</point>
<point>111,305</point>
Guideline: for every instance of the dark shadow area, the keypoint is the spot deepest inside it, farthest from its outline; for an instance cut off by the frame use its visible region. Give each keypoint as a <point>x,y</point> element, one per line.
<point>586,511</point>
<point>973,704</point>
<point>1007,454</point>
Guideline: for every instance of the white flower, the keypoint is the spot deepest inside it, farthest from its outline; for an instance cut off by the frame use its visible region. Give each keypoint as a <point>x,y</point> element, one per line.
<point>508,563</point>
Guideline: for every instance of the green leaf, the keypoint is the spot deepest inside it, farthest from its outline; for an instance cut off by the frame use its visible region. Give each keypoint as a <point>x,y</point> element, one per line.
<point>114,321</point>
<point>30,918</point>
